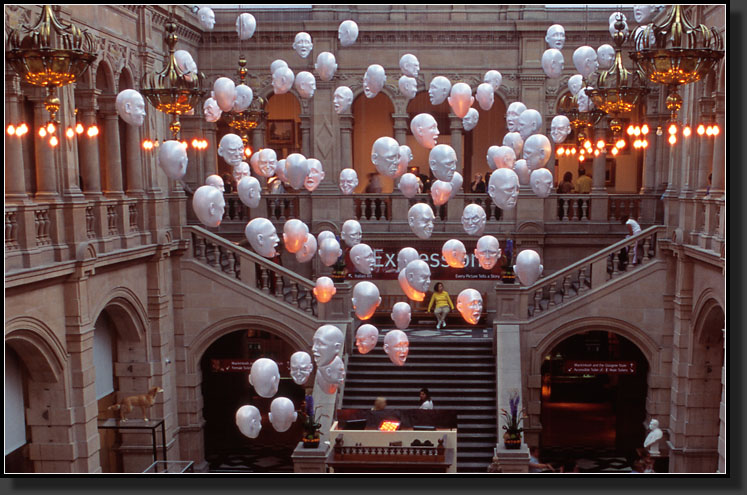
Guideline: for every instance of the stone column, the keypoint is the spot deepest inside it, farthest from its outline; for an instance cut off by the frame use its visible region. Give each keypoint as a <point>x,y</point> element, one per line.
<point>257,139</point>
<point>400,127</point>
<point>346,140</point>
<point>46,173</point>
<point>455,126</point>
<point>89,146</point>
<point>719,147</point>
<point>15,183</point>
<point>134,165</point>
<point>111,144</point>
<point>306,135</point>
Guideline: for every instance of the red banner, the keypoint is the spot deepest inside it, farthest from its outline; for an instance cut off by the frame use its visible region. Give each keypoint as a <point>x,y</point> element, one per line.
<point>600,367</point>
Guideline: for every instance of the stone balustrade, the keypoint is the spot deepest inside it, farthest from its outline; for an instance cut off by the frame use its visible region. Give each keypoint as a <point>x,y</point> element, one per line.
<point>621,206</point>
<point>574,207</point>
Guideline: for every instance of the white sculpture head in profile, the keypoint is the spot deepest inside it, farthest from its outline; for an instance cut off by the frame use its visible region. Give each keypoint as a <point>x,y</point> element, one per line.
<point>244,97</point>
<point>643,15</point>
<point>408,86</point>
<point>512,115</point>
<point>327,343</point>
<point>584,101</point>
<point>522,171</point>
<point>305,84</point>
<point>366,337</point>
<point>302,44</point>
<point>385,155</point>
<point>330,377</point>
<point>503,157</point>
<point>409,65</point>
<point>405,157</point>
<point>282,414</point>
<point>308,249</point>
<point>325,66</point>
<point>553,63</point>
<point>528,267</point>
<point>474,219</point>
<point>373,80</point>
<point>264,377</point>
<point>537,151</point>
<point>186,64</point>
<point>514,140</point>
<point>300,367</point>
<point>560,128</point>
<point>469,121</point>
<point>215,181</point>
<point>438,90</point>
<point>619,17</point>
<point>172,158</point>
<point>575,83</point>
<point>487,252</point>
<point>207,18</point>
<point>267,161</point>
<point>651,443</point>
<point>503,188</point>
<point>454,253</point>
<point>456,184</point>
<point>555,36</point>
<point>425,129</point>
<point>329,251</point>
<point>396,346</point>
<point>405,256</point>
<point>351,232</point>
<point>363,258</point>
<point>442,161</point>
<point>366,299</point>
<point>231,149</point>
<point>530,122</point>
<point>294,234</point>
<point>418,275</point>
<point>211,110</point>
<point>605,56</point>
<point>469,305</point>
<point>541,182</point>
<point>347,32</point>
<point>208,204</point>
<point>585,60</point>
<point>282,80</point>
<point>460,99</point>
<point>245,26</point>
<point>407,289</point>
<point>296,170</point>
<point>324,289</point>
<point>315,176</point>
<point>241,171</point>
<point>224,92</point>
<point>325,234</point>
<point>408,185</point>
<point>276,64</point>
<point>494,78</point>
<point>420,218</point>
<point>440,192</point>
<point>261,234</point>
<point>249,421</point>
<point>401,314</point>
<point>348,180</point>
<point>485,95</point>
<point>342,99</point>
<point>131,107</point>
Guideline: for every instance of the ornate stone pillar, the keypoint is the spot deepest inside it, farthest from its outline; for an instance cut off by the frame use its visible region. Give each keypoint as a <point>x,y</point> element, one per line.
<point>15,183</point>
<point>89,146</point>
<point>400,127</point>
<point>599,167</point>
<point>258,138</point>
<point>719,146</point>
<point>46,172</point>
<point>111,144</point>
<point>346,140</point>
<point>456,128</point>
<point>306,135</point>
<point>134,165</point>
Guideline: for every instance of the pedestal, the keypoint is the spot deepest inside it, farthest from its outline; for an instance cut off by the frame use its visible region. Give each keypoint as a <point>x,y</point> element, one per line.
<point>310,460</point>
<point>513,460</point>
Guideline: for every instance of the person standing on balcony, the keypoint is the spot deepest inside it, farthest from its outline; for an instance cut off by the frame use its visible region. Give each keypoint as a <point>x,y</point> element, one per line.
<point>425,399</point>
<point>443,304</point>
<point>583,183</point>
<point>566,187</point>
<point>374,183</point>
<point>478,185</point>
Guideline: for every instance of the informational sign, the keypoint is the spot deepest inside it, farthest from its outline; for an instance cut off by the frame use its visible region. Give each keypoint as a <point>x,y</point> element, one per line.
<point>599,367</point>
<point>230,365</point>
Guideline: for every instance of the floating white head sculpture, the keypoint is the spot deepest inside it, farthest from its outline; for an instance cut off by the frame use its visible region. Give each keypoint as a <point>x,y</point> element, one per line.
<point>325,234</point>
<point>643,15</point>
<point>469,304</point>
<point>308,249</point>
<point>373,80</point>
<point>537,150</point>
<point>575,82</point>
<point>351,232</point>
<point>407,289</point>
<point>224,92</point>
<point>366,337</point>
<point>440,192</point>
<point>425,129</point>
<point>280,171</point>
<point>541,182</point>
<point>215,181</point>
<point>244,97</point>
<point>469,121</point>
<point>211,110</point>
<point>555,36</point>
<point>584,101</point>
<point>528,267</point>
<point>328,341</point>
<point>245,26</point>
<point>560,128</point>
<point>454,253</point>
<point>614,17</point>
<point>504,188</point>
<point>249,421</point>
<point>385,155</point>
<point>456,184</point>
<point>522,171</point>
<point>315,176</point>
<point>207,18</point>
<point>460,99</point>
<point>409,65</point>
<point>267,161</point>
<point>408,86</point>
<point>342,99</point>
<point>404,256</point>
<point>231,149</point>
<point>487,251</point>
<point>485,95</point>
<point>324,289</point>
<point>503,157</point>
<point>365,300</point>
<point>282,80</point>
<point>302,44</point>
<point>494,78</point>
<point>530,122</point>
<point>294,234</point>
<point>418,275</point>
<point>363,258</point>
<point>474,219</point>
<point>348,180</point>
<point>330,377</point>
<point>605,56</point>
<point>261,234</point>
<point>515,141</point>
<point>512,115</point>
<point>492,152</point>
<point>347,33</point>
<point>401,314</point>
<point>282,413</point>
<point>305,84</point>
<point>420,218</point>
<point>131,106</point>
<point>296,170</point>
<point>396,346</point>
<point>442,161</point>
<point>265,377</point>
<point>276,64</point>
<point>241,171</point>
<point>408,185</point>
<point>438,90</point>
<point>405,157</point>
<point>552,63</point>
<point>585,60</point>
<point>249,191</point>
<point>300,367</point>
<point>172,158</point>
<point>325,66</point>
<point>254,161</point>
<point>329,251</point>
<point>209,205</point>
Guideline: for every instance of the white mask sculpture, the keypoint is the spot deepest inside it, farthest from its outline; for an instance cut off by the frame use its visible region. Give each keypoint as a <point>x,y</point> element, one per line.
<point>469,305</point>
<point>503,157</point>
<point>442,161</point>
<point>209,205</point>
<point>456,184</point>
<point>485,95</point>
<point>440,192</point>
<point>407,289</point>
<point>514,140</point>
<point>469,121</point>
<point>541,182</point>
<point>438,90</point>
<point>261,234</point>
<point>245,26</point>
<point>211,110</point>
<point>405,157</point>
<point>651,443</point>
<point>425,129</point>
<point>460,99</point>
<point>280,172</point>
<point>305,84</point>
<point>325,234</point>
<point>404,256</point>
<point>560,128</point>
<point>528,267</point>
<point>363,258</point>
<point>530,122</point>
<point>215,181</point>
<point>418,275</point>
<point>276,64</point>
<point>241,171</point>
<point>474,219</point>
<point>249,421</point>
<point>300,367</point>
<point>351,232</point>
<point>330,377</point>
<point>408,185</point>
<point>373,80</point>
<point>504,188</point>
<point>585,60</point>
<point>396,346</point>
<point>327,344</point>
<point>329,251</point>
<point>282,80</point>
<point>512,115</point>
<point>643,15</point>
<point>302,44</point>
<point>348,180</point>
<point>409,65</point>
<point>522,171</point>
<point>224,92</point>
<point>552,63</point>
<point>254,161</point>
<point>623,19</point>
<point>267,161</point>
<point>244,97</point>
<point>491,156</point>
<point>296,170</point>
<point>454,253</point>
<point>207,18</point>
<point>537,150</point>
<point>342,99</point>
<point>347,33</point>
<point>385,156</point>
<point>315,176</point>
<point>584,102</point>
<point>575,83</point>
<point>401,314</point>
<point>264,377</point>
<point>494,78</point>
<point>131,107</point>
<point>366,299</point>
<point>605,56</point>
<point>487,252</point>
<point>408,86</point>
<point>282,414</point>
<point>249,191</point>
<point>420,218</point>
<point>324,289</point>
<point>231,149</point>
<point>308,249</point>
<point>555,36</point>
<point>172,158</point>
<point>366,337</point>
<point>294,234</point>
<point>325,66</point>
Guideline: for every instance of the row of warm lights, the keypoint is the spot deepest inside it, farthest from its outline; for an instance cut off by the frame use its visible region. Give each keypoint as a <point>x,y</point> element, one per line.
<point>198,144</point>
<point>50,129</point>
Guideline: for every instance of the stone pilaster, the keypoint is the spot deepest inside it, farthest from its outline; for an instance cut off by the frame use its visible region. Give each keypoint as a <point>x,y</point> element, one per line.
<point>111,145</point>
<point>89,146</point>
<point>15,183</point>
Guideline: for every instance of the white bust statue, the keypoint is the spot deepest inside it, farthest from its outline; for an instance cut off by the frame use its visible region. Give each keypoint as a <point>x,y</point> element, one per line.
<point>215,181</point>
<point>408,86</point>
<point>207,18</point>
<point>404,256</point>
<point>401,314</point>
<point>331,376</point>
<point>249,191</point>
<point>575,83</point>
<point>224,92</point>
<point>651,443</point>
<point>454,253</point>
<point>324,289</point>
<point>469,305</point>
<point>231,149</point>
<point>267,161</point>
<point>425,129</point>
<point>329,251</point>
<point>282,80</point>
<point>294,234</point>
<point>240,171</point>
<point>315,176</point>
<point>366,337</point>
<point>348,180</point>
<point>494,78</point>
<point>211,110</point>
<point>249,421</point>
<point>409,64</point>
<point>442,161</point>
<point>300,367</point>
<point>408,185</point>
<point>244,97</point>
<point>363,258</point>
<point>460,99</point>
<point>503,188</point>
<point>560,128</point>
<point>245,26</point>
<point>469,121</point>
<point>366,299</point>
<point>456,184</point>
<point>474,219</point>
<point>512,115</point>
<point>327,344</point>
<point>584,101</point>
<point>351,232</point>
<point>276,64</point>
<point>342,99</point>
<point>282,414</point>
<point>385,155</point>
<point>261,234</point>
<point>296,170</point>
<point>537,151</point>
<point>503,157</point>
<point>347,32</point>
<point>325,66</point>
<point>264,377</point>
<point>605,56</point>
<point>420,218</point>
<point>487,252</point>
<point>396,346</point>
<point>131,107</point>
<point>555,36</point>
<point>530,122</point>
<point>553,63</point>
<point>515,141</point>
<point>373,80</point>
<point>418,275</point>
<point>441,192</point>
<point>541,182</point>
<point>308,249</point>
<point>438,90</point>
<point>522,171</point>
<point>305,84</point>
<point>405,157</point>
<point>485,95</point>
<point>209,205</point>
<point>585,60</point>
<point>172,158</point>
<point>643,13</point>
<point>407,289</point>
<point>528,267</point>
<point>302,44</point>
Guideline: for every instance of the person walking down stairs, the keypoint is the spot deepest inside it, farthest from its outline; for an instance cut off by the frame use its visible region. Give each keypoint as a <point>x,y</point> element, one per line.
<point>443,304</point>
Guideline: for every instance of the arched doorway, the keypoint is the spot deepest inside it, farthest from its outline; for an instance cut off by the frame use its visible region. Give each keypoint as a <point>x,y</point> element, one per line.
<point>372,119</point>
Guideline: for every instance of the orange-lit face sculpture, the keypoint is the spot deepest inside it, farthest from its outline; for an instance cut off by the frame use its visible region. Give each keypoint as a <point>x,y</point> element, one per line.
<point>324,289</point>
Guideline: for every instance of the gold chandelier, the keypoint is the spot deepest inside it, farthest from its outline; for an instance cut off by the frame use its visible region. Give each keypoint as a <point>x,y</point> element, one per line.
<point>245,121</point>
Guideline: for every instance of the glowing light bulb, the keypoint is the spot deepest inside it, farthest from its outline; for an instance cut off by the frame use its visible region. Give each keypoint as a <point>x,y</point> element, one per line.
<point>644,129</point>
<point>581,158</point>
<point>51,128</point>
<point>644,144</point>
<point>701,130</point>
<point>659,131</point>
<point>22,129</point>
<point>42,132</point>
<point>620,144</point>
<point>79,128</point>
<point>587,145</point>
<point>567,152</point>
<point>637,132</point>
<point>631,130</point>
<point>92,131</point>
<point>157,143</point>
<point>716,130</point>
<point>672,139</point>
<point>11,130</point>
<point>687,131</point>
<point>559,151</point>
<point>637,143</point>
<point>147,145</point>
<point>614,151</point>
<point>596,152</point>
<point>53,141</point>
<point>672,129</point>
<point>573,151</point>
<point>70,132</point>
<point>248,152</point>
<point>600,144</point>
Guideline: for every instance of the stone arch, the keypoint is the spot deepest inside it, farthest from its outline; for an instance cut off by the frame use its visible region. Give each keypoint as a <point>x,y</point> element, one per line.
<point>707,300</point>
<point>38,348</point>
<point>126,80</point>
<point>326,225</point>
<point>125,308</point>
<point>104,79</point>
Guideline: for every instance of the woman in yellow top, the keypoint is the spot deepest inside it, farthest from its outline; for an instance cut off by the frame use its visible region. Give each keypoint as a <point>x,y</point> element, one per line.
<point>443,304</point>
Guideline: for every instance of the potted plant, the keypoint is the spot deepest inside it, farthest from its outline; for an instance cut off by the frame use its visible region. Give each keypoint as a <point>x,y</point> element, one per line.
<point>310,425</point>
<point>513,418</point>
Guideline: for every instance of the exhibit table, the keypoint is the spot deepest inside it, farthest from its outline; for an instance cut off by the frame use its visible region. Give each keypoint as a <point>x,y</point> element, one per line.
<point>138,424</point>
<point>170,467</point>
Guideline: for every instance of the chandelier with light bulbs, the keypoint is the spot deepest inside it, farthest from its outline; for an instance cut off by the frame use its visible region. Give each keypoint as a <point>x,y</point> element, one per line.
<point>245,121</point>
